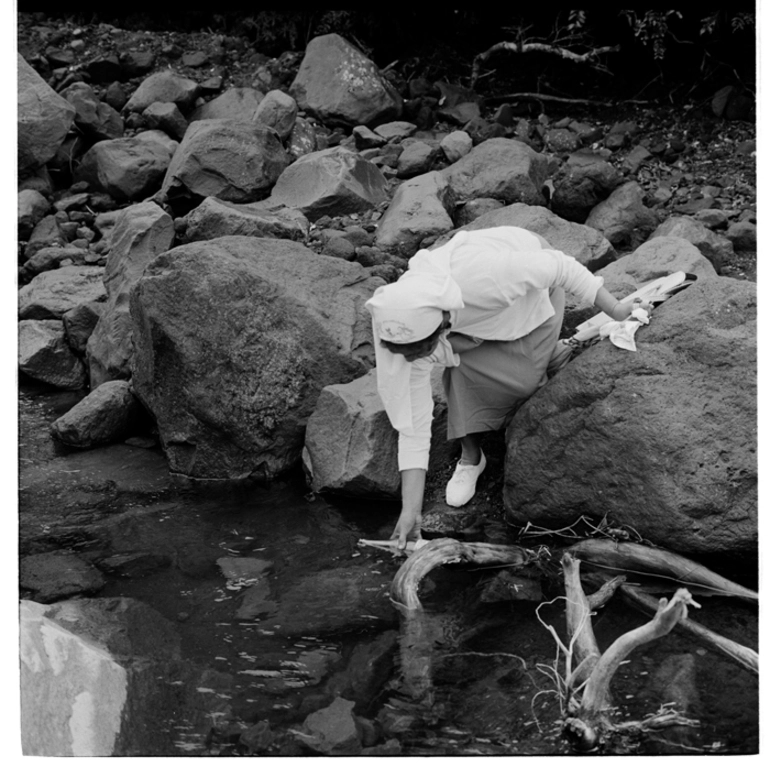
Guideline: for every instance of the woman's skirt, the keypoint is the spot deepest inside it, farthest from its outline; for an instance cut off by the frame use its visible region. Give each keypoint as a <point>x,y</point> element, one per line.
<point>495,378</point>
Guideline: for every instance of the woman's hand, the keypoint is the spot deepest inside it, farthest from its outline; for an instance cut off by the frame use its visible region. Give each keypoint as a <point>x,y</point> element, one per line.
<point>410,520</point>
<point>408,527</point>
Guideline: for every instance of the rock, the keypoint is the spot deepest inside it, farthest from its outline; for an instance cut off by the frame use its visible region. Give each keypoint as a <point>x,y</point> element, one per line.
<point>368,669</point>
<point>631,436</point>
<point>335,601</point>
<point>635,158</point>
<point>456,145</point>
<point>256,601</point>
<point>623,218</point>
<point>656,258</point>
<point>31,209</point>
<point>396,130</point>
<point>713,218</point>
<point>108,414</point>
<point>350,447</point>
<point>257,738</point>
<point>585,244</point>
<point>46,234</point>
<point>136,63</point>
<point>97,120</point>
<point>365,138</point>
<point>472,209</point>
<point>243,333</point>
<point>142,232</point>
<point>332,731</point>
<point>508,587</point>
<point>582,183</point>
<point>233,160</point>
<point>216,218</point>
<point>277,110</point>
<point>620,134</point>
<point>128,169</point>
<point>416,159</point>
<point>743,235</point>
<point>337,84</point>
<point>502,168</point>
<point>115,96</point>
<point>38,180</point>
<point>45,355</point>
<point>72,202</point>
<point>50,294</point>
<point>302,140</point>
<point>89,670</point>
<point>51,258</point>
<point>104,69</point>
<point>714,246</point>
<point>166,117</point>
<point>330,182</point>
<point>339,247</point>
<point>79,323</point>
<point>460,114</point>
<point>163,86</point>
<point>233,104</point>
<point>243,568</point>
<point>419,209</point>
<point>58,574</point>
<point>561,140</point>
<point>43,119</point>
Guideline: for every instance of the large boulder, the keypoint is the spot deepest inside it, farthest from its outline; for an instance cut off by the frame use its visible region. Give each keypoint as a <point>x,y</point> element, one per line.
<point>97,120</point>
<point>339,85</point>
<point>164,86</point>
<point>233,104</point>
<point>51,258</point>
<point>581,242</point>
<point>109,413</point>
<point>89,670</point>
<point>128,168</point>
<point>714,247</point>
<point>142,232</point>
<point>233,160</point>
<point>43,119</point>
<point>623,217</point>
<point>581,184</point>
<point>352,449</point>
<point>216,218</point>
<point>331,182</point>
<point>53,293</point>
<point>420,208</point>
<point>657,258</point>
<point>662,440</point>
<point>45,355</point>
<point>234,339</point>
<point>80,322</point>
<point>502,168</point>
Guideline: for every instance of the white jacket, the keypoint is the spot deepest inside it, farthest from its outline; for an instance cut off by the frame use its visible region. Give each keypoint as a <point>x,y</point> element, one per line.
<point>504,275</point>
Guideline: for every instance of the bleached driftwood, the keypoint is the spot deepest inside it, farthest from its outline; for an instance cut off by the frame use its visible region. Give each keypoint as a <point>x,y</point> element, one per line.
<point>591,720</point>
<point>444,551</point>
<point>742,655</point>
<point>645,560</point>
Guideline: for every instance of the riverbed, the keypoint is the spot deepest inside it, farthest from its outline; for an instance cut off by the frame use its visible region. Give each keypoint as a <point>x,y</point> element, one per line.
<point>261,648</point>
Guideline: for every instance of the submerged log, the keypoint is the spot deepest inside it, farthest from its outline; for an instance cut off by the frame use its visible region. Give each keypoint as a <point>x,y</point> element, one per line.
<point>444,551</point>
<point>645,560</point>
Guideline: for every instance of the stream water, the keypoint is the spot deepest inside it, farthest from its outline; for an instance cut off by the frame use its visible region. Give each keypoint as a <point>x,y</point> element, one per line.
<point>238,666</point>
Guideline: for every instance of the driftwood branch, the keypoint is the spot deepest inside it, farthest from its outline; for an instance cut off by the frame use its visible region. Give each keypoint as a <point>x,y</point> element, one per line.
<point>669,613</point>
<point>589,57</point>
<point>742,655</point>
<point>579,625</point>
<point>444,551</point>
<point>636,559</point>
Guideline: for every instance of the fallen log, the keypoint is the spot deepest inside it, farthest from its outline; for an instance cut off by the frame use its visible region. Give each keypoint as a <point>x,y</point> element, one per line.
<point>645,560</point>
<point>445,551</point>
<point>744,656</point>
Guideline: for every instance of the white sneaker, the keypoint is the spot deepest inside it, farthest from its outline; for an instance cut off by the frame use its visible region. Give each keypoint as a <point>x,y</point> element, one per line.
<point>462,487</point>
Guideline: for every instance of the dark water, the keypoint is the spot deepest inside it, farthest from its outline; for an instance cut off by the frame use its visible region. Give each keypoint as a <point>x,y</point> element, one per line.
<point>491,691</point>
